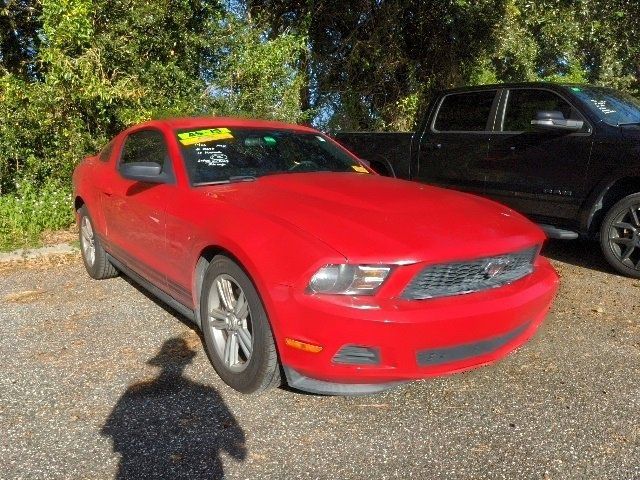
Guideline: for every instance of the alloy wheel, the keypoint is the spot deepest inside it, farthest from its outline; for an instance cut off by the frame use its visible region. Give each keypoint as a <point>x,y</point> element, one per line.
<point>624,237</point>
<point>88,241</point>
<point>229,318</point>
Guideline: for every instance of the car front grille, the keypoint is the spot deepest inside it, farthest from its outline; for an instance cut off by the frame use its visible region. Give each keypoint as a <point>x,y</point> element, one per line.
<point>473,276</point>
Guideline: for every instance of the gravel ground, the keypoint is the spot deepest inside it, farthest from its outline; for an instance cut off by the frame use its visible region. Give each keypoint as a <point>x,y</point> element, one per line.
<point>99,381</point>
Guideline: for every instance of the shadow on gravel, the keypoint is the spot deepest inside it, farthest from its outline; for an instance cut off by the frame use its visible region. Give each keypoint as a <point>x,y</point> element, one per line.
<point>582,253</point>
<point>157,301</point>
<point>172,427</point>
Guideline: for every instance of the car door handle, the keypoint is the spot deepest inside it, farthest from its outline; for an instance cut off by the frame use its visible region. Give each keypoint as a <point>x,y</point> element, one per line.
<point>108,193</point>
<point>433,146</point>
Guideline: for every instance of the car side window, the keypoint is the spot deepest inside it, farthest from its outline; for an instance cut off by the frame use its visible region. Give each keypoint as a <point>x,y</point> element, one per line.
<point>465,112</point>
<point>523,104</point>
<point>145,146</point>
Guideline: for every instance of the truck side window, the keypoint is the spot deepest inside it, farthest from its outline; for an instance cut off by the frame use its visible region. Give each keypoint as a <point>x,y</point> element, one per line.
<point>465,112</point>
<point>523,104</point>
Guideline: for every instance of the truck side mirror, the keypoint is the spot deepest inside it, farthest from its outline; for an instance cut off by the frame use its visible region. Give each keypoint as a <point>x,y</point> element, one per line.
<point>554,120</point>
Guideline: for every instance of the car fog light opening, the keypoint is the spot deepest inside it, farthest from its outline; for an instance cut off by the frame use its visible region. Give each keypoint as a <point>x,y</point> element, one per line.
<point>348,279</point>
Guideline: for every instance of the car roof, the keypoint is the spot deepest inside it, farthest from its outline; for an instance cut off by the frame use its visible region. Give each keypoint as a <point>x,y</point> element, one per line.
<point>217,122</point>
<point>493,86</point>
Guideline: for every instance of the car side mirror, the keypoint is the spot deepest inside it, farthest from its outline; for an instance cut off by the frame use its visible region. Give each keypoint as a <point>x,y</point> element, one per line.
<point>554,120</point>
<point>148,172</point>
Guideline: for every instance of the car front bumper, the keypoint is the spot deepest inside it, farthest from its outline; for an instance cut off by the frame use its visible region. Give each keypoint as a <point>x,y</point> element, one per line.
<point>409,339</point>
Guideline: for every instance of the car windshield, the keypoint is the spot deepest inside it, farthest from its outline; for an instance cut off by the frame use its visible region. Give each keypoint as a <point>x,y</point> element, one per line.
<point>610,106</point>
<point>219,154</point>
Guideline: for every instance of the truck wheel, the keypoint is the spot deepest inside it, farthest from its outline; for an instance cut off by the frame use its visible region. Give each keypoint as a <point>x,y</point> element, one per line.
<point>620,236</point>
<point>236,329</point>
<point>93,255</point>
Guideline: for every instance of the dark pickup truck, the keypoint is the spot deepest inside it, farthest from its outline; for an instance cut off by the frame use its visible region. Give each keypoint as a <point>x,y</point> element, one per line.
<point>566,156</point>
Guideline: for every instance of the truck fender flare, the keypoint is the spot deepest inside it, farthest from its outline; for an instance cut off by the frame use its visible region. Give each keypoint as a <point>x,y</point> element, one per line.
<point>593,203</point>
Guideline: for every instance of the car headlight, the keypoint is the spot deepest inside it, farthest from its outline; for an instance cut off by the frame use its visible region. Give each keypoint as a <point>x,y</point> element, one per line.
<point>348,279</point>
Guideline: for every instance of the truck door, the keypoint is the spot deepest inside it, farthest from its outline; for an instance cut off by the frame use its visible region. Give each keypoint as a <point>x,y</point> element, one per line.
<point>541,173</point>
<point>453,149</point>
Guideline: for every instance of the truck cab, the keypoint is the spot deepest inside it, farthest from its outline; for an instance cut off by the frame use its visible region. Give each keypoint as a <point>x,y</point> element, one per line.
<point>562,154</point>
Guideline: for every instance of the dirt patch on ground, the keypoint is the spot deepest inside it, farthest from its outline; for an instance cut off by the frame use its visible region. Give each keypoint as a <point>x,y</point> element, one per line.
<point>69,235</point>
<point>26,296</point>
<point>42,263</point>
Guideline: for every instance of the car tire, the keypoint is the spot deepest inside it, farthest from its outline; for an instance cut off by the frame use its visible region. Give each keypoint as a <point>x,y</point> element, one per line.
<point>620,236</point>
<point>236,329</point>
<point>93,255</point>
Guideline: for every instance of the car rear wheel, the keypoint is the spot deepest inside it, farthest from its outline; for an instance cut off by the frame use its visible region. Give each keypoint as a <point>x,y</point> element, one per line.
<point>620,236</point>
<point>236,329</point>
<point>93,255</point>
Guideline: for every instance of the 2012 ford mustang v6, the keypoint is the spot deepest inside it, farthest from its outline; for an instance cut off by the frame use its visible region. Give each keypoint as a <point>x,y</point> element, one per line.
<point>296,259</point>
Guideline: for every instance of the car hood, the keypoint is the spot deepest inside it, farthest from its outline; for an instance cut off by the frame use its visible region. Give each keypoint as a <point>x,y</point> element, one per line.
<point>379,219</point>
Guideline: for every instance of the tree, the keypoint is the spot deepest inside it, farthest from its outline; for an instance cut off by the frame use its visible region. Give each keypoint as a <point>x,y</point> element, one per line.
<point>104,65</point>
<point>19,40</point>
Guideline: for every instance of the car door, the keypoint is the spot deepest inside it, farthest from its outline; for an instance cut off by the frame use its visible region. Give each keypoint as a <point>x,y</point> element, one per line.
<point>541,173</point>
<point>454,147</point>
<point>135,211</point>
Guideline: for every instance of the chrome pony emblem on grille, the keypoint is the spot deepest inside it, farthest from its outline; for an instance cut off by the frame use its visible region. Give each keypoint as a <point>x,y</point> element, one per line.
<point>495,267</point>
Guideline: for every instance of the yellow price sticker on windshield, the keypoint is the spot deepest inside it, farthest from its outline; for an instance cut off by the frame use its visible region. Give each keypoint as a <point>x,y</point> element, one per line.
<point>360,169</point>
<point>207,135</point>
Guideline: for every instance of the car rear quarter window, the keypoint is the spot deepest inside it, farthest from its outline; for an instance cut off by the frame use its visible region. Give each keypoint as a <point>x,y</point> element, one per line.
<point>523,104</point>
<point>105,153</point>
<point>144,146</point>
<point>465,112</point>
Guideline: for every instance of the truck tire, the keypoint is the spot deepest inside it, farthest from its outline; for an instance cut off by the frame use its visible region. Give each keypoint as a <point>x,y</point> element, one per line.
<point>620,236</point>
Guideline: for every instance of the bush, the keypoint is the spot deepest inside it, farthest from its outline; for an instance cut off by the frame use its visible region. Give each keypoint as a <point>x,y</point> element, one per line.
<point>30,211</point>
<point>97,67</point>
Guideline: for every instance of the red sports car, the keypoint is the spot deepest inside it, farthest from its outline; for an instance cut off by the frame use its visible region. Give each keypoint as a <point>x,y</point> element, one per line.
<point>294,258</point>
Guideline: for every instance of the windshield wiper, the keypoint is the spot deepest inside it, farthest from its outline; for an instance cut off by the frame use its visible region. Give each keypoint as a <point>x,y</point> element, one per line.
<point>628,123</point>
<point>231,179</point>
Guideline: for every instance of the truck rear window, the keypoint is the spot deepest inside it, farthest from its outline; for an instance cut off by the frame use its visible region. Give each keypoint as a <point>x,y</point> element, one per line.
<point>464,112</point>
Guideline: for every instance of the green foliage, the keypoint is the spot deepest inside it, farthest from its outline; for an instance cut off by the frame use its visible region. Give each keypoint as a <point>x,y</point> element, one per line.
<point>260,77</point>
<point>31,211</point>
<point>367,57</point>
<point>19,24</point>
<point>103,65</point>
<point>73,73</point>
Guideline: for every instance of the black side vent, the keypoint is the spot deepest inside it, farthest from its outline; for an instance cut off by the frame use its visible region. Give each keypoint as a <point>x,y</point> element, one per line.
<point>355,355</point>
